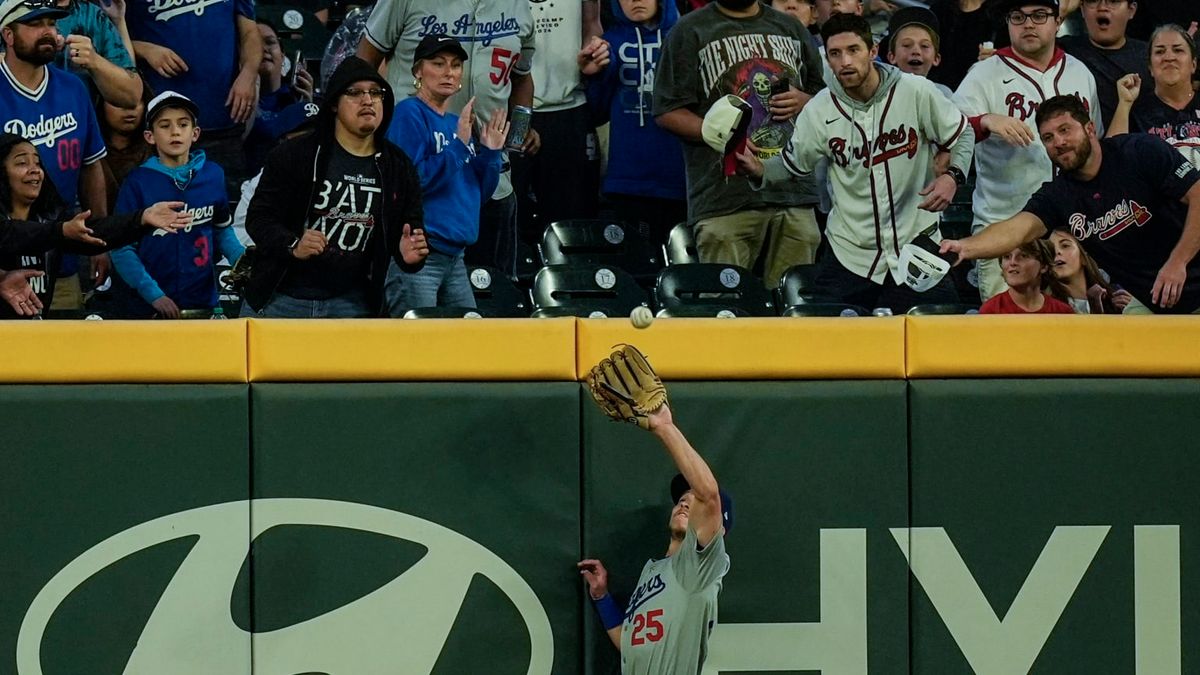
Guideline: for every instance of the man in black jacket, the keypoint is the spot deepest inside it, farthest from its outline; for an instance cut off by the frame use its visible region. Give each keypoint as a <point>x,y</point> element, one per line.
<point>334,207</point>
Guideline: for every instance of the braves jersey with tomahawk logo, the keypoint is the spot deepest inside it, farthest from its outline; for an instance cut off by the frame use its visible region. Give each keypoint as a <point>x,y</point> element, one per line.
<point>204,34</point>
<point>498,36</point>
<point>1006,84</point>
<point>878,164</point>
<point>673,609</point>
<point>1130,216</point>
<point>57,117</point>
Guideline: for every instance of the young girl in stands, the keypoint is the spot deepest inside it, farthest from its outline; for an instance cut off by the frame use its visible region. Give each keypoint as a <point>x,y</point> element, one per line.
<point>1028,271</point>
<point>1088,292</point>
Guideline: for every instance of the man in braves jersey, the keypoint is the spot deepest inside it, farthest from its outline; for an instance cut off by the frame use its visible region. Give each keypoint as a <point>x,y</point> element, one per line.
<point>52,109</point>
<point>209,51</point>
<point>874,125</point>
<point>665,628</point>
<point>1132,200</point>
<point>499,38</point>
<point>1000,95</point>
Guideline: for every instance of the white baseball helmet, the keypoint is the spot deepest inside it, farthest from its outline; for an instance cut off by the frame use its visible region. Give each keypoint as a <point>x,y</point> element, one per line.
<point>921,264</point>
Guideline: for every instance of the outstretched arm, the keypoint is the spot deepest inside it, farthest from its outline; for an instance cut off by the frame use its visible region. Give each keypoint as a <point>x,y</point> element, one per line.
<point>704,516</point>
<point>998,239</point>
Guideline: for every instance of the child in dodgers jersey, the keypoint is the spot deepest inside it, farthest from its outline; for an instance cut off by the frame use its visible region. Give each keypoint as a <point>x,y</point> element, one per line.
<point>173,272</point>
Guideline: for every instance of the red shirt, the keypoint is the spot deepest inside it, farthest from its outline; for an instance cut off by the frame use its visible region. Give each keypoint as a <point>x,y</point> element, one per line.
<point>1004,304</point>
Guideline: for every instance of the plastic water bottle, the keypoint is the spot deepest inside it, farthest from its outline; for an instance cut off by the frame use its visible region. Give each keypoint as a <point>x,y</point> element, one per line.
<point>881,311</point>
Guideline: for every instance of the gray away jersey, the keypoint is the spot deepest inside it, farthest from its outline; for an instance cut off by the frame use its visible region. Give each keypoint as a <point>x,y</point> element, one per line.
<point>673,610</point>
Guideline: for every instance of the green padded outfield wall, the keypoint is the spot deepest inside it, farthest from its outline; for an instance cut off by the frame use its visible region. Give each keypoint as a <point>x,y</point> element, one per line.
<point>82,465</point>
<point>463,496</point>
<point>1058,524</point>
<point>433,528</point>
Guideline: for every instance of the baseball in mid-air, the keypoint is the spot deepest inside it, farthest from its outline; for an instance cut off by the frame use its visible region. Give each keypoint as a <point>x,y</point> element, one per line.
<point>641,317</point>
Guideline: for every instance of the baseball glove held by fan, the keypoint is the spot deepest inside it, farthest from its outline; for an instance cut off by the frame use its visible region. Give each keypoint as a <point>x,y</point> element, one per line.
<point>626,387</point>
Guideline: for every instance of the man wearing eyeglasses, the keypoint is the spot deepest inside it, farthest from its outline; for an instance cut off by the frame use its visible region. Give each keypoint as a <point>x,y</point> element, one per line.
<point>1000,96</point>
<point>1107,51</point>
<point>334,208</point>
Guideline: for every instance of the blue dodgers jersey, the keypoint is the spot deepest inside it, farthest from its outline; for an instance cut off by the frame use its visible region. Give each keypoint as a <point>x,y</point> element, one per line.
<point>184,263</point>
<point>204,34</point>
<point>58,118</point>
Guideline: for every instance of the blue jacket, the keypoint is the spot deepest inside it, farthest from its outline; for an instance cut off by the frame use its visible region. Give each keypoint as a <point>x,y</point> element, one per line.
<point>455,178</point>
<point>181,266</point>
<point>644,160</point>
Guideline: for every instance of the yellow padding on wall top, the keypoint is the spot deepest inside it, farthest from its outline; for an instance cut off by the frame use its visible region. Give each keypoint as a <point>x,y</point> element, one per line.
<point>373,350</point>
<point>1045,346</point>
<point>754,349</point>
<point>122,351</point>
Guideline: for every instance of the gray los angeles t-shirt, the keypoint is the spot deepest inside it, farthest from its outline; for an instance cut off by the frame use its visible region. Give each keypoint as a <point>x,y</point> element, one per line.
<point>673,610</point>
<point>708,55</point>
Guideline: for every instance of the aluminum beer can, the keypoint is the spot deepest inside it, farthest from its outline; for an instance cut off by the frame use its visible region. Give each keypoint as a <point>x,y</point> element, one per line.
<point>519,121</point>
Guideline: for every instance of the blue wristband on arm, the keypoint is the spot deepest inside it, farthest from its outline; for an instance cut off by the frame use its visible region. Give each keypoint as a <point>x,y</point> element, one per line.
<point>610,615</point>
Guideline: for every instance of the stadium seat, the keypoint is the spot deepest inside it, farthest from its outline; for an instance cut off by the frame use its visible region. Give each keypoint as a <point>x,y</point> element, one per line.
<point>825,309</point>
<point>496,293</point>
<point>588,311</point>
<point>702,312</point>
<point>713,284</point>
<point>527,265</point>
<point>603,242</point>
<point>797,285</point>
<point>934,309</point>
<point>450,313</point>
<point>680,248</point>
<point>579,290</point>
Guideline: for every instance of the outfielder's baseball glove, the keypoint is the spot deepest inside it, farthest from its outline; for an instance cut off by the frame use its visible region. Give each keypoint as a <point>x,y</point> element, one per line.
<point>626,387</point>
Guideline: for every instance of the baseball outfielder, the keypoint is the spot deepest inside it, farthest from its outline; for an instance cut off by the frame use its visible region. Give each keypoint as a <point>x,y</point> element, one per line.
<point>1000,95</point>
<point>874,125</point>
<point>672,610</point>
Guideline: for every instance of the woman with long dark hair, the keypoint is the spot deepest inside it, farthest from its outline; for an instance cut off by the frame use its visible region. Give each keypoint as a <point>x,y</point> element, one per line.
<point>36,228</point>
<point>1088,291</point>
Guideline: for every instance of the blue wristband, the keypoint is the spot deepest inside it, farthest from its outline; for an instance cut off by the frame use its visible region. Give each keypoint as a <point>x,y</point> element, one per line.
<point>610,615</point>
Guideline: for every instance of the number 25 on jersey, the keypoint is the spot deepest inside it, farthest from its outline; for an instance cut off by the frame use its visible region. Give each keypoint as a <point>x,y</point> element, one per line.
<point>647,627</point>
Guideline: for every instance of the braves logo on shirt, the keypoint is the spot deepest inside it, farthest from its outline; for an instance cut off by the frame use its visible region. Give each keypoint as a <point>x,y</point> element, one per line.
<point>1118,218</point>
<point>45,130</point>
<point>901,141</point>
<point>165,10</point>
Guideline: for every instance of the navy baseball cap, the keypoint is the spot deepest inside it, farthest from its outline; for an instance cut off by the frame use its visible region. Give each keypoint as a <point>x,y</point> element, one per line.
<point>679,485</point>
<point>170,99</point>
<point>436,43</point>
<point>914,16</point>
<point>20,11</point>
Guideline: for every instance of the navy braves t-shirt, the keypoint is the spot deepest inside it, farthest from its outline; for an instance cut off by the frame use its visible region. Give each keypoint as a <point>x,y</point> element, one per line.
<point>1180,128</point>
<point>1129,217</point>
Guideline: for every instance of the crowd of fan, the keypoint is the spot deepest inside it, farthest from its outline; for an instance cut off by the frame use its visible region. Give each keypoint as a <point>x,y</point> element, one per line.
<point>434,138</point>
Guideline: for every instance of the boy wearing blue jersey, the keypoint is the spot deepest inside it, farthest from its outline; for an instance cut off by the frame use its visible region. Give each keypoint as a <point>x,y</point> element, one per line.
<point>174,272</point>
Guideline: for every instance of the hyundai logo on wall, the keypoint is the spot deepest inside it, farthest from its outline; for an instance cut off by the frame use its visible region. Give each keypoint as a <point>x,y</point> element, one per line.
<point>400,628</point>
